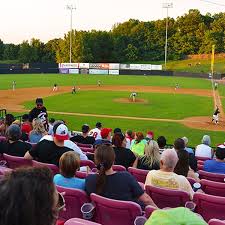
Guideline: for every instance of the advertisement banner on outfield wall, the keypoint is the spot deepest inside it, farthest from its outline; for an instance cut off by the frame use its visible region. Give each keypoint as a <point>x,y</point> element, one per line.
<point>73,71</point>
<point>84,65</point>
<point>156,67</point>
<point>63,70</point>
<point>146,67</point>
<point>99,66</point>
<point>135,66</point>
<point>124,66</point>
<point>69,65</point>
<point>114,72</point>
<point>114,66</point>
<point>96,71</point>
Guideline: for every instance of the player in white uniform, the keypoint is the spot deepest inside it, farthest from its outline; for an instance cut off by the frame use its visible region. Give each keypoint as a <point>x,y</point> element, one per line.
<point>133,95</point>
<point>216,115</point>
<point>96,132</point>
<point>99,83</point>
<point>14,85</point>
<point>55,87</point>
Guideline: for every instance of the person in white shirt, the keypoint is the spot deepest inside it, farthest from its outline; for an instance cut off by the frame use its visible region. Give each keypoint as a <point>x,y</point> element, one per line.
<point>204,149</point>
<point>96,132</point>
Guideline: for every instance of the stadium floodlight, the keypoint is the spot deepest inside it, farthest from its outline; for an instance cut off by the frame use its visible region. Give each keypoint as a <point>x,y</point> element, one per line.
<point>166,6</point>
<point>71,8</point>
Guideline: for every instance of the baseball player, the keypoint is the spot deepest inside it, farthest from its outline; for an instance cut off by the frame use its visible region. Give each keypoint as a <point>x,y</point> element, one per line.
<point>215,86</point>
<point>55,87</point>
<point>96,132</point>
<point>216,115</point>
<point>99,83</point>
<point>74,90</point>
<point>133,96</point>
<point>177,86</point>
<point>14,85</point>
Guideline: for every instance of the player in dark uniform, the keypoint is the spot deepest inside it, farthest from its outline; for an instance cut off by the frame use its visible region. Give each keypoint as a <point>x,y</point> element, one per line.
<point>74,90</point>
<point>216,115</point>
<point>39,112</point>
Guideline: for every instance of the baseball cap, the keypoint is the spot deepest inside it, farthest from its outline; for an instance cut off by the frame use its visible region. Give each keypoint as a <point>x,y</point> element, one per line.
<point>117,130</point>
<point>175,216</point>
<point>39,101</point>
<point>105,132</point>
<point>150,135</point>
<point>85,128</point>
<point>98,125</point>
<point>13,132</point>
<point>61,132</point>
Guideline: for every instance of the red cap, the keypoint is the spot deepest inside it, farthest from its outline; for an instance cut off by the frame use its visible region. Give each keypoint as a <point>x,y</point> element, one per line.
<point>105,132</point>
<point>150,134</point>
<point>61,133</point>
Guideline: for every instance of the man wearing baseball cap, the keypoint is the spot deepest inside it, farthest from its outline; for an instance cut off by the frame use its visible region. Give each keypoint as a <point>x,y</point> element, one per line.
<point>84,138</point>
<point>96,132</point>
<point>47,151</point>
<point>106,137</point>
<point>39,112</point>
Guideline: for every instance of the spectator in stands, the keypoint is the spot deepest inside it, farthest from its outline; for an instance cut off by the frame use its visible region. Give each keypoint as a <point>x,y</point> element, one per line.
<point>29,197</point>
<point>138,144</point>
<point>39,112</point>
<point>69,163</point>
<point>124,156</point>
<point>188,149</point>
<point>179,145</point>
<point>151,159</point>
<point>161,140</point>
<point>50,126</point>
<point>14,146</point>
<point>182,167</point>
<point>26,125</point>
<point>9,118</point>
<point>149,136</point>
<point>111,184</point>
<point>106,137</point>
<point>117,130</point>
<point>129,137</point>
<point>84,138</point>
<point>204,149</point>
<point>165,177</point>
<point>50,151</point>
<point>96,132</point>
<point>38,131</point>
<point>67,143</point>
<point>216,165</point>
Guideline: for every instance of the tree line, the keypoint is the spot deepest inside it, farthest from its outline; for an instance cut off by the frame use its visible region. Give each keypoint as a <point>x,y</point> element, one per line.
<point>131,41</point>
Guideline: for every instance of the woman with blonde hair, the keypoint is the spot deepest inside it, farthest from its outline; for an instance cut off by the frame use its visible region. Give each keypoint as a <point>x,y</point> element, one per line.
<point>38,131</point>
<point>151,159</point>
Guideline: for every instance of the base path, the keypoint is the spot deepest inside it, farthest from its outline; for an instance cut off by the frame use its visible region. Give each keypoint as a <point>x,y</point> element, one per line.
<point>13,101</point>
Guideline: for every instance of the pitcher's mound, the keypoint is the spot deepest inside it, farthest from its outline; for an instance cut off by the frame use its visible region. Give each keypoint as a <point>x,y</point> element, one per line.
<point>129,100</point>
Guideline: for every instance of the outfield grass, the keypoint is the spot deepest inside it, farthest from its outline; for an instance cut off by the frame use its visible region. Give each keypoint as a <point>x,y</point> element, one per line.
<point>47,80</point>
<point>169,106</point>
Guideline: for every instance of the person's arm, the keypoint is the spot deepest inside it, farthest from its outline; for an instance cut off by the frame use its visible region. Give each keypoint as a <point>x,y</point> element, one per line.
<point>147,200</point>
<point>32,153</point>
<point>28,155</point>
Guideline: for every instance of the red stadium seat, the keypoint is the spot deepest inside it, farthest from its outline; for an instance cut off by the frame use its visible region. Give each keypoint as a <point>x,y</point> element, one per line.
<point>216,222</point>
<point>85,149</point>
<point>213,188</point>
<point>211,176</point>
<point>74,199</point>
<point>202,158</point>
<point>15,161</point>
<point>53,168</point>
<point>139,174</point>
<point>209,206</point>
<point>164,197</point>
<point>149,210</point>
<point>118,168</point>
<point>191,180</point>
<point>111,212</point>
<point>78,221</point>
<point>87,163</point>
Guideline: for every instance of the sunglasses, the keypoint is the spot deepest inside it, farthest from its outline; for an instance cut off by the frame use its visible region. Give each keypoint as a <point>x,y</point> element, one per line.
<point>61,202</point>
<point>39,105</point>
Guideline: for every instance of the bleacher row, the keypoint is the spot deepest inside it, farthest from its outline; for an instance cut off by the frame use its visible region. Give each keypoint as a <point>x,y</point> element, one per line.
<point>210,204</point>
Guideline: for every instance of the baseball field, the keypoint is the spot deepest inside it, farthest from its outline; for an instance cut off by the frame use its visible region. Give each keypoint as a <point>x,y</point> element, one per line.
<point>186,111</point>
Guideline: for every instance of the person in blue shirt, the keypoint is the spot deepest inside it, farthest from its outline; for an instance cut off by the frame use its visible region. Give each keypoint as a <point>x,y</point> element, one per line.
<point>69,163</point>
<point>216,165</point>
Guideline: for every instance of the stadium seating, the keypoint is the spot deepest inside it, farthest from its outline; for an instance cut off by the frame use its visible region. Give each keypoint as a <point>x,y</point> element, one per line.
<point>139,174</point>
<point>2,138</point>
<point>78,221</point>
<point>4,170</point>
<point>209,206</point>
<point>164,197</point>
<point>118,168</point>
<point>54,168</point>
<point>149,210</point>
<point>191,180</point>
<point>85,149</point>
<point>82,175</point>
<point>213,188</point>
<point>200,166</point>
<point>87,163</point>
<point>84,145</point>
<point>111,212</point>
<point>216,222</point>
<point>211,176</point>
<point>15,161</point>
<point>74,199</point>
<point>202,158</point>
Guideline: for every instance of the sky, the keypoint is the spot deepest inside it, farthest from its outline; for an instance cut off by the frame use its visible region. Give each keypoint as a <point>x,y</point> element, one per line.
<point>48,19</point>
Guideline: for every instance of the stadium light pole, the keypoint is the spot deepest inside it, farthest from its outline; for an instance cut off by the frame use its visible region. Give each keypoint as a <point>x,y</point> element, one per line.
<point>166,6</point>
<point>71,8</point>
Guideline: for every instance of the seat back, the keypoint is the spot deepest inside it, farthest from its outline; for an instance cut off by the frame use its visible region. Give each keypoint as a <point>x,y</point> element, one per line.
<point>213,188</point>
<point>118,168</point>
<point>202,158</point>
<point>216,222</point>
<point>139,174</point>
<point>149,210</point>
<point>164,197</point>
<point>82,175</point>
<point>4,170</point>
<point>211,176</point>
<point>87,163</point>
<point>15,161</point>
<point>53,167</point>
<point>85,149</point>
<point>78,221</point>
<point>191,180</point>
<point>84,145</point>
<point>209,206</point>
<point>74,199</point>
<point>111,212</point>
<point>2,138</point>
